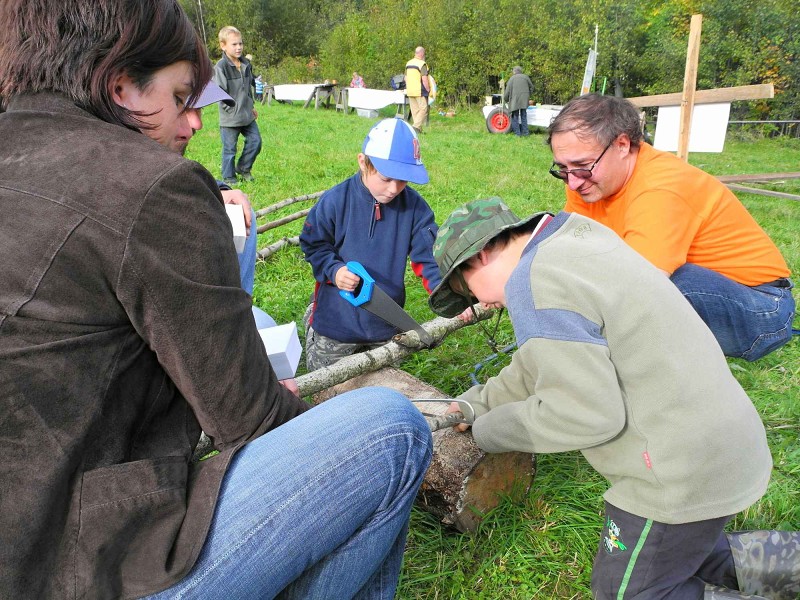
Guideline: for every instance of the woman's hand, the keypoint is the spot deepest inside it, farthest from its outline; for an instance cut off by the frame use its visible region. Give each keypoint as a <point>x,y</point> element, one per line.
<point>240,198</point>
<point>291,385</point>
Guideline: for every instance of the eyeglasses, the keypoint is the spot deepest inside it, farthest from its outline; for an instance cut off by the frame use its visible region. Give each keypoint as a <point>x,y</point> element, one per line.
<point>563,174</point>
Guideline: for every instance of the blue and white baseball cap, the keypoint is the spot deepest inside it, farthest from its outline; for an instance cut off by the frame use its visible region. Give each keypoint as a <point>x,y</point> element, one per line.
<point>212,93</point>
<point>393,148</point>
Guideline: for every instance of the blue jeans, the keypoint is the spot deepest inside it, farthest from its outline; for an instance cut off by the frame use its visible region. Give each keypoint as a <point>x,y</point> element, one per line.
<point>247,272</point>
<point>748,322</point>
<point>247,258</point>
<point>317,508</point>
<point>519,122</point>
<point>252,146</point>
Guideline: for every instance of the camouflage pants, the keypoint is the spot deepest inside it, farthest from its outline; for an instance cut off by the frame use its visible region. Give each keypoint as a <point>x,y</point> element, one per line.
<point>322,351</point>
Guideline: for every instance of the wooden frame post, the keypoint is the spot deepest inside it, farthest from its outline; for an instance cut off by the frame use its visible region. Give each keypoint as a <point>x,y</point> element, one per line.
<point>689,86</point>
<point>690,96</point>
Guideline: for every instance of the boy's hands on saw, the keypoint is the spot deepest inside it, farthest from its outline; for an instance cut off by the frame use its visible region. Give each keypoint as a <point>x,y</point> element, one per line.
<point>453,417</point>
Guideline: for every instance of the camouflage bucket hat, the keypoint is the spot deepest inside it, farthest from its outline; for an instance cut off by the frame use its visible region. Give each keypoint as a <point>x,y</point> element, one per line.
<point>463,234</point>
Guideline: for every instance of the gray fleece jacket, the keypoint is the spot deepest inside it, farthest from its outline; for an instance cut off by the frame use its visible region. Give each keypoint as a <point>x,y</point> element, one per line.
<point>240,85</point>
<point>613,361</point>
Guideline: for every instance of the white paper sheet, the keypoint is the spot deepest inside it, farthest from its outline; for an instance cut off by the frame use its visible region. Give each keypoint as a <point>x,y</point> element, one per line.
<point>707,133</point>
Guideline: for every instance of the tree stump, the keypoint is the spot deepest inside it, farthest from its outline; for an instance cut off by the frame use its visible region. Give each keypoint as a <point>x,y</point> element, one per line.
<point>463,482</point>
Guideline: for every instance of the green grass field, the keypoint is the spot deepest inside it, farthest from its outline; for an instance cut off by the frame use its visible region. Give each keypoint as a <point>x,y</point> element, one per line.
<point>540,544</point>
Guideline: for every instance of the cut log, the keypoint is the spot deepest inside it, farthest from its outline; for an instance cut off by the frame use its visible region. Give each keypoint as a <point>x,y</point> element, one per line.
<point>463,482</point>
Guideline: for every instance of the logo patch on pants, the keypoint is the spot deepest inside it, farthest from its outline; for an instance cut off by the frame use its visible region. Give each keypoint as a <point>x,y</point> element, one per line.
<point>611,538</point>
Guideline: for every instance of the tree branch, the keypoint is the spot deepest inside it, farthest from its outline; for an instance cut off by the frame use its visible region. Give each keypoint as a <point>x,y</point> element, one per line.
<point>268,251</point>
<point>400,347</point>
<point>283,221</point>
<point>285,203</point>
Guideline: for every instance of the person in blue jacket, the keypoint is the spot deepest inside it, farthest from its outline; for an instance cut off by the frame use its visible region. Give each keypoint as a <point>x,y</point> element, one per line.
<point>373,218</point>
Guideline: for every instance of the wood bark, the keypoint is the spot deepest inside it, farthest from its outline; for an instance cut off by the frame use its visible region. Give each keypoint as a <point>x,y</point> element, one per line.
<point>462,482</point>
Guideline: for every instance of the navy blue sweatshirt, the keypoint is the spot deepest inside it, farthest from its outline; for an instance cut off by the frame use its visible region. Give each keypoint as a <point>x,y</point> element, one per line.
<point>344,225</point>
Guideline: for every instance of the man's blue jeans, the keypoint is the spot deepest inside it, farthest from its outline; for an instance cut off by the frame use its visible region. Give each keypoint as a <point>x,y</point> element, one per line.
<point>519,122</point>
<point>748,322</point>
<point>252,146</point>
<point>317,508</point>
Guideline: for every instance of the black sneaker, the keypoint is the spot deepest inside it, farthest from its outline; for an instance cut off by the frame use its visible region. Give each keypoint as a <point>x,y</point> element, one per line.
<point>231,182</point>
<point>246,176</point>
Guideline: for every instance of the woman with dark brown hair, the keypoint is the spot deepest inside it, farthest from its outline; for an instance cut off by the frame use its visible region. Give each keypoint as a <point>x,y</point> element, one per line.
<point>124,331</point>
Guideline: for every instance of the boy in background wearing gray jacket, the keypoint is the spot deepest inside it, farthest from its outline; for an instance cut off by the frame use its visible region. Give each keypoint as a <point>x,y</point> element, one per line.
<point>234,74</point>
<point>613,361</point>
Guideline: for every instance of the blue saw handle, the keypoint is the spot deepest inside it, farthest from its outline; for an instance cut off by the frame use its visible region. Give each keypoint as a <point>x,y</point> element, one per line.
<point>364,290</point>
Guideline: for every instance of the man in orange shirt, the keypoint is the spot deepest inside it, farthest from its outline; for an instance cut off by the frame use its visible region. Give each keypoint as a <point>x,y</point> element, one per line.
<point>680,218</point>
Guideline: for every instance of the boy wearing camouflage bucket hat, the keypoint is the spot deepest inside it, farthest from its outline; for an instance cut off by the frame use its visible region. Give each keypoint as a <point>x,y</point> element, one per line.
<point>635,381</point>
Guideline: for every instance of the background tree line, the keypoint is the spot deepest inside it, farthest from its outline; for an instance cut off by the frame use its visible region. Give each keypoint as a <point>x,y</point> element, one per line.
<point>471,43</point>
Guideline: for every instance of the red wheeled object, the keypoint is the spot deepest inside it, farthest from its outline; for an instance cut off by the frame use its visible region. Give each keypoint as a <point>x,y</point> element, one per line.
<point>498,120</point>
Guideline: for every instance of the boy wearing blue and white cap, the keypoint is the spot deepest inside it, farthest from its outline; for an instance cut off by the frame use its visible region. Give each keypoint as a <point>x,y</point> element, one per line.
<point>373,218</point>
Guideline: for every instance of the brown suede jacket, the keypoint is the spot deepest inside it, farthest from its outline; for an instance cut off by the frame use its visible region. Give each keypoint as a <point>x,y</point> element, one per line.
<point>123,332</point>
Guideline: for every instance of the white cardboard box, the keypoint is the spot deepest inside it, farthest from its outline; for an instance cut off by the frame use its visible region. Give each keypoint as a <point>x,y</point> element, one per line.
<point>283,348</point>
<point>236,215</point>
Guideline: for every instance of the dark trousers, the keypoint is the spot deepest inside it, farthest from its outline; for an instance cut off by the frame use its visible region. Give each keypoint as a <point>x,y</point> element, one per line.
<point>252,146</point>
<point>519,122</point>
<point>643,559</point>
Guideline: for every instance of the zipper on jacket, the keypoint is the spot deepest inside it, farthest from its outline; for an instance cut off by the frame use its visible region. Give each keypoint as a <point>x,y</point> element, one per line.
<point>377,217</point>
